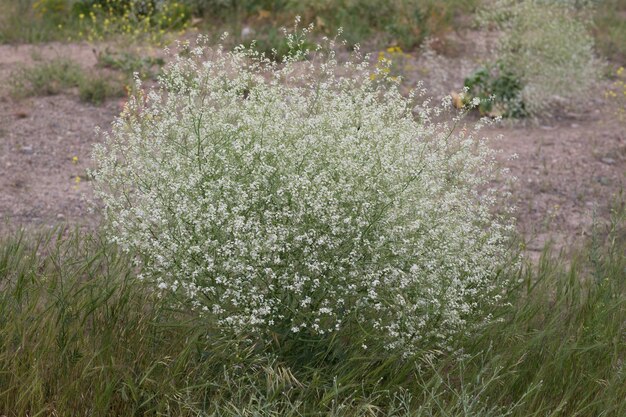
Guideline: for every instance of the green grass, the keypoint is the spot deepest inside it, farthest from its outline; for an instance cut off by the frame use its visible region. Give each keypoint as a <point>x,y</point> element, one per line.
<point>19,23</point>
<point>46,78</point>
<point>61,75</point>
<point>80,334</point>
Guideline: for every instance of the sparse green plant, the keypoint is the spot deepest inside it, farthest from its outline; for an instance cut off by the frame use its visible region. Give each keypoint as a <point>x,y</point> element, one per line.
<point>273,44</point>
<point>499,92</point>
<point>146,19</point>
<point>616,93</point>
<point>402,22</point>
<point>129,63</point>
<point>391,62</point>
<point>97,89</point>
<point>46,78</point>
<point>45,20</point>
<point>610,28</point>
<point>53,10</point>
<point>61,75</point>
<point>21,22</point>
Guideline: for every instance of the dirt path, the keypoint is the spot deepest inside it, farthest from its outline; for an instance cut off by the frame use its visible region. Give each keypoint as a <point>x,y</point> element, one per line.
<point>568,170</point>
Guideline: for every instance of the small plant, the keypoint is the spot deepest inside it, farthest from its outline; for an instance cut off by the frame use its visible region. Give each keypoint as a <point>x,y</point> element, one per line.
<point>130,63</point>
<point>392,63</point>
<point>273,44</point>
<point>499,92</point>
<point>46,78</point>
<point>609,29</point>
<point>150,19</point>
<point>55,10</point>
<point>61,75</point>
<point>97,89</point>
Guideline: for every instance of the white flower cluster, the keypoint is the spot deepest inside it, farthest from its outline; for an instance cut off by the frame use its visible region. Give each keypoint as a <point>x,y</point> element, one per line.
<point>300,196</point>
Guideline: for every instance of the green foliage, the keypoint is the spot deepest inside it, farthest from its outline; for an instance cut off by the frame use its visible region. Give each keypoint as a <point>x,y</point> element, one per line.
<point>81,335</point>
<point>61,75</point>
<point>499,92</point>
<point>129,63</point>
<point>97,89</point>
<point>47,20</point>
<point>21,22</point>
<point>54,10</point>
<point>162,14</point>
<point>115,7</point>
<point>46,78</point>
<point>76,337</point>
<point>139,19</point>
<point>273,44</point>
<point>616,93</point>
<point>401,22</point>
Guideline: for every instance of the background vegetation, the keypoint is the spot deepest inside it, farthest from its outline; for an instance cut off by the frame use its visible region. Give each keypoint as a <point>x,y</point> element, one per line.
<point>402,22</point>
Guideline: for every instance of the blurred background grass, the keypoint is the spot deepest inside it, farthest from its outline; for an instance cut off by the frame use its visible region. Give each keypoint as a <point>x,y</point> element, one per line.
<point>400,22</point>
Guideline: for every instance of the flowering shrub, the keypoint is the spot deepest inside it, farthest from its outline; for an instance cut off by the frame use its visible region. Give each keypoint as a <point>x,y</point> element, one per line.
<point>301,198</point>
<point>545,45</point>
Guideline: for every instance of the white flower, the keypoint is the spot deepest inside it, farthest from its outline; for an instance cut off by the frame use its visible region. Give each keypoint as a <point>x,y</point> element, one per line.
<point>286,196</point>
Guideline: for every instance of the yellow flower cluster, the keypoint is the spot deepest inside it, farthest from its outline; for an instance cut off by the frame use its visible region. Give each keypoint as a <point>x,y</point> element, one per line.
<point>103,19</point>
<point>617,93</point>
<point>390,64</point>
<point>148,22</point>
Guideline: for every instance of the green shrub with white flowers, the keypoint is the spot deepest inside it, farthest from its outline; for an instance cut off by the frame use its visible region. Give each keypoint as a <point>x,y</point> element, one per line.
<point>305,200</point>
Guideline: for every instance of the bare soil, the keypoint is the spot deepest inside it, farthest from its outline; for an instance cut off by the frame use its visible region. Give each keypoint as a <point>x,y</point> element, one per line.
<point>569,170</point>
<point>569,175</point>
<point>41,182</point>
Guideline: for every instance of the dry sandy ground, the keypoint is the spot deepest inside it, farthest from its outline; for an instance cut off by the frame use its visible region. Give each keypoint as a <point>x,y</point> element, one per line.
<point>569,175</point>
<point>569,170</point>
